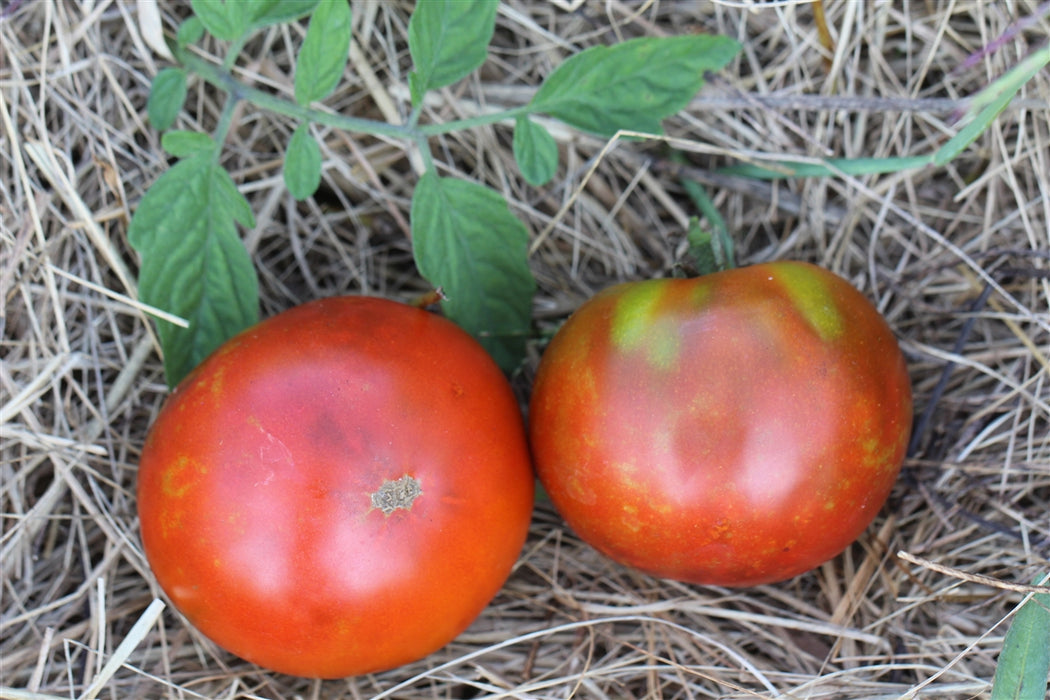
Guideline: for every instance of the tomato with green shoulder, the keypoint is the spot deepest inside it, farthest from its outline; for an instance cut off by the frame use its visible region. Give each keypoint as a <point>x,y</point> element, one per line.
<point>734,429</point>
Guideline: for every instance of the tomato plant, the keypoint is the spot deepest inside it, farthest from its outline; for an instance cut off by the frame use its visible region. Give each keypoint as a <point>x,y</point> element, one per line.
<point>338,490</point>
<point>464,236</point>
<point>733,429</point>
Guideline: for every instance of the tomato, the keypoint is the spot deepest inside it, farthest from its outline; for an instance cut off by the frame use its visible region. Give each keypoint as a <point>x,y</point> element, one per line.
<point>735,429</point>
<point>338,490</point>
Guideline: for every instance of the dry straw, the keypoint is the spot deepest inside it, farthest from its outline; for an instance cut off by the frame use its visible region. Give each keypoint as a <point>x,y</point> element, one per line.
<point>80,377</point>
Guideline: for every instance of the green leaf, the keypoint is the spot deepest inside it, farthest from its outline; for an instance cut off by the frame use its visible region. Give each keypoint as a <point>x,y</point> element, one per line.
<point>166,96</point>
<point>448,40</point>
<point>323,54</point>
<point>265,12</point>
<point>182,144</point>
<point>190,31</point>
<point>468,243</point>
<point>633,85</point>
<point>302,163</point>
<point>535,151</point>
<point>193,263</point>
<point>224,20</point>
<point>1024,663</point>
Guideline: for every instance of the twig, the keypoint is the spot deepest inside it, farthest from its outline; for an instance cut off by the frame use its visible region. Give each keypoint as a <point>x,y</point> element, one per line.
<point>973,578</point>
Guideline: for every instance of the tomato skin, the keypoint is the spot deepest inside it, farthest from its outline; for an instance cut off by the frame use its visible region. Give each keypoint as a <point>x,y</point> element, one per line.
<point>257,478</point>
<point>735,429</point>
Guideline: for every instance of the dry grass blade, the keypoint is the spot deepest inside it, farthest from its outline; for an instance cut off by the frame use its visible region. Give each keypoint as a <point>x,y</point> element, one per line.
<point>80,379</point>
<point>973,578</point>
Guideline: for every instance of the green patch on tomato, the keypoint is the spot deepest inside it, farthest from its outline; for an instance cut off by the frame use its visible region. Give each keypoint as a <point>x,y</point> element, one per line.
<point>810,296</point>
<point>763,429</point>
<point>633,328</point>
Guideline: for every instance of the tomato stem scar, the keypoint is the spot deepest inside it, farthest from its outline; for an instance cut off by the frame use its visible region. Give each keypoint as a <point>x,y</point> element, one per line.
<point>400,493</point>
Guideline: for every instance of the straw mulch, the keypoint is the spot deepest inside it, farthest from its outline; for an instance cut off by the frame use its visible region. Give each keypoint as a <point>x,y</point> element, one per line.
<point>956,257</point>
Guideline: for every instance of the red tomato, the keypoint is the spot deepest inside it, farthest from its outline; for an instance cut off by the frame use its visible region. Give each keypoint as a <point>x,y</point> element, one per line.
<point>735,429</point>
<point>339,490</point>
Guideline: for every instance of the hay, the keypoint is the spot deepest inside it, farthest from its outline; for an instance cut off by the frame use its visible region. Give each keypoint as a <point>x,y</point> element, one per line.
<point>957,258</point>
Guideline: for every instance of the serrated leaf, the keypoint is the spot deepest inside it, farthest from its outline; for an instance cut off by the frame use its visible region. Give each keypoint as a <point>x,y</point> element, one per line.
<point>633,85</point>
<point>535,151</point>
<point>302,164</point>
<point>166,96</point>
<point>265,12</point>
<point>193,263</point>
<point>448,40</point>
<point>323,55</point>
<point>468,243</point>
<point>224,19</point>
<point>183,144</point>
<point>1024,664</point>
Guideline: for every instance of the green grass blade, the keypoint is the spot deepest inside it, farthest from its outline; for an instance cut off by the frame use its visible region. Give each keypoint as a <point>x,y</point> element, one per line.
<point>831,167</point>
<point>990,102</point>
<point>984,108</point>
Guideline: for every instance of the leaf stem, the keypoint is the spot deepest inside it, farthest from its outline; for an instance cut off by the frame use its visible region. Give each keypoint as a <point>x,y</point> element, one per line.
<point>224,80</point>
<point>235,51</point>
<point>471,122</point>
<point>225,122</point>
<point>413,118</point>
<point>424,151</point>
<point>221,77</point>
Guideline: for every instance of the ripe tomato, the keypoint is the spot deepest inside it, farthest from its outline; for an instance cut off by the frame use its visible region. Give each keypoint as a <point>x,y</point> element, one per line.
<point>735,429</point>
<point>339,490</point>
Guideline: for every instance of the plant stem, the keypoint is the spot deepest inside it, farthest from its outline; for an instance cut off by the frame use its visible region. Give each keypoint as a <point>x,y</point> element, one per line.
<point>225,121</point>
<point>413,118</point>
<point>235,51</point>
<point>471,122</point>
<point>424,151</point>
<point>222,79</point>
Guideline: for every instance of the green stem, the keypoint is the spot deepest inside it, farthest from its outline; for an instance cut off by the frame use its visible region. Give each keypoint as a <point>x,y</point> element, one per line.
<point>225,122</point>
<point>413,118</point>
<point>471,122</point>
<point>424,151</point>
<point>222,79</point>
<point>235,51</point>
